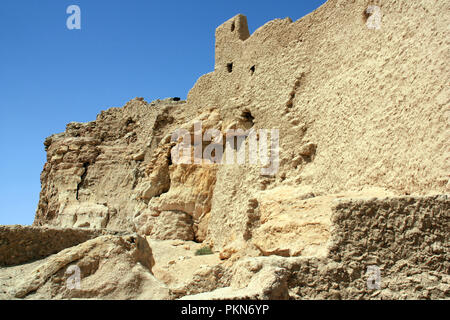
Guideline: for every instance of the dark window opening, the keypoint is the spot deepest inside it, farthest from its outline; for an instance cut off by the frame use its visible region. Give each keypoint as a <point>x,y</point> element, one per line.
<point>230,67</point>
<point>248,117</point>
<point>252,70</point>
<point>233,26</point>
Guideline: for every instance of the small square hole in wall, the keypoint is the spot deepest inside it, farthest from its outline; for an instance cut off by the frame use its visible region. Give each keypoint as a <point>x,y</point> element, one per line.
<point>230,67</point>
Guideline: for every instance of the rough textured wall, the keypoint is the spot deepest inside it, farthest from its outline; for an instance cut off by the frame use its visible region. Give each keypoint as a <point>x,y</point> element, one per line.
<point>363,116</point>
<point>374,103</point>
<point>358,110</point>
<point>405,237</point>
<point>109,267</point>
<point>93,169</point>
<point>386,231</point>
<point>19,244</point>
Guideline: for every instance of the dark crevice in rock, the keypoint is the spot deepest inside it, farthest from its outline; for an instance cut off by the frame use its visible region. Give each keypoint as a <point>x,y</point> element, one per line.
<point>81,184</point>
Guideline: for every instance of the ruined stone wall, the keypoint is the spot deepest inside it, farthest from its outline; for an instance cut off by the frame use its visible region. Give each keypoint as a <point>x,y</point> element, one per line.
<point>358,110</point>
<point>373,102</point>
<point>406,238</point>
<point>21,244</point>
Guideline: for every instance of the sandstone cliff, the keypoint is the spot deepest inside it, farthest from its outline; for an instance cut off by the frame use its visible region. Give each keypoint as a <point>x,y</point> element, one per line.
<point>362,114</point>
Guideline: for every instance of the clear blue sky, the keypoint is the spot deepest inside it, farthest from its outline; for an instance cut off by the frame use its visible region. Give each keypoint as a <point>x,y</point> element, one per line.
<point>50,76</point>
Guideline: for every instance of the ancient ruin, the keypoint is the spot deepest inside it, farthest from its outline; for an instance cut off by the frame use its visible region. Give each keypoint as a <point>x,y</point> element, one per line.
<point>362,178</point>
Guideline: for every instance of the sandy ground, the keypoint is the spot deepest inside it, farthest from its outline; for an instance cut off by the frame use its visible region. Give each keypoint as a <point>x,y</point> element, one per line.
<point>176,262</point>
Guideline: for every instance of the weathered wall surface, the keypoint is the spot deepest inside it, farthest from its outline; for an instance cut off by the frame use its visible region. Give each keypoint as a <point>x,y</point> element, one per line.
<point>361,112</point>
<point>375,103</point>
<point>109,267</point>
<point>21,244</point>
<point>405,237</point>
<point>93,169</point>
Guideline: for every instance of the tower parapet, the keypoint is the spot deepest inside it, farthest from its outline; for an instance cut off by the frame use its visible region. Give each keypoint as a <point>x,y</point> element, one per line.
<point>229,41</point>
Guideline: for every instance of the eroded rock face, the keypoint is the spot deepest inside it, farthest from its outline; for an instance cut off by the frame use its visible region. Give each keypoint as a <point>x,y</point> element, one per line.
<point>96,174</point>
<point>190,192</point>
<point>173,225</point>
<point>361,112</point>
<point>290,226</point>
<point>22,244</point>
<point>125,179</point>
<point>110,267</point>
<point>402,236</point>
